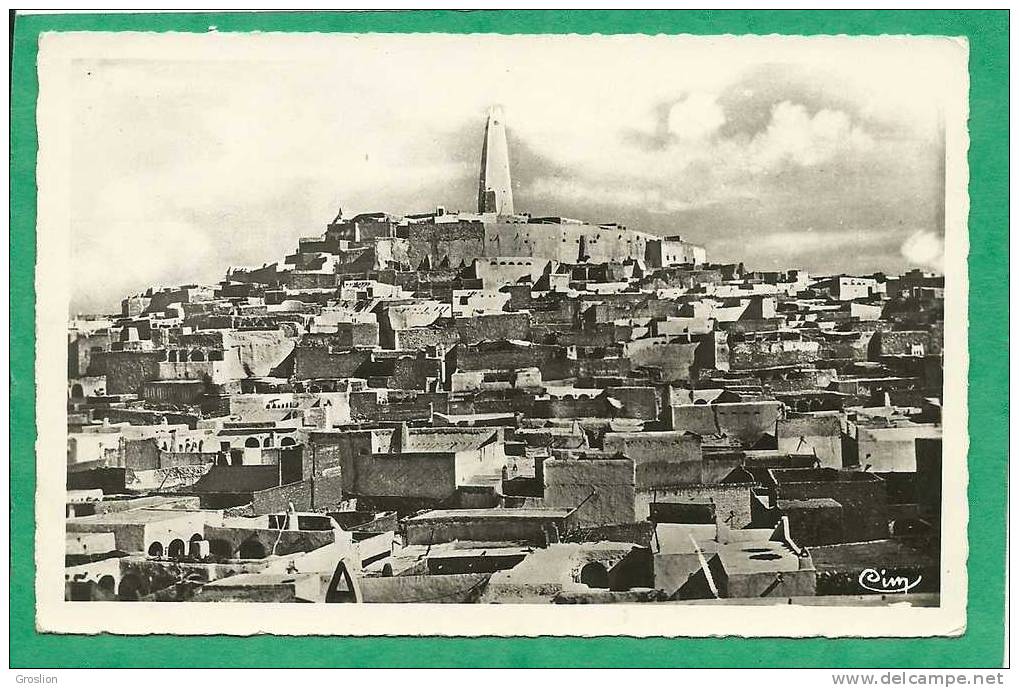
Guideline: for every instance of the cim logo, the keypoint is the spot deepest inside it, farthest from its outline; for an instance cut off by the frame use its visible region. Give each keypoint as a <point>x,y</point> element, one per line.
<point>880,581</point>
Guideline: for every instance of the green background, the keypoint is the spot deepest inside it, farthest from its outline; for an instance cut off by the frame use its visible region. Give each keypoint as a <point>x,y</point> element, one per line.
<point>982,645</point>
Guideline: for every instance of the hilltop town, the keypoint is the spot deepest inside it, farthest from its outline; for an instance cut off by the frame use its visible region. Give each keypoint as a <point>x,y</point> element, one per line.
<point>495,407</point>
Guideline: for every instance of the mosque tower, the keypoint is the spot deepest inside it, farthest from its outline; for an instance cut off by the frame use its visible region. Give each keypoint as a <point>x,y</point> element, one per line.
<point>494,192</point>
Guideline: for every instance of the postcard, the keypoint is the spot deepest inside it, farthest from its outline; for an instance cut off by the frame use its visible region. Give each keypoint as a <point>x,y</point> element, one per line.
<point>577,335</point>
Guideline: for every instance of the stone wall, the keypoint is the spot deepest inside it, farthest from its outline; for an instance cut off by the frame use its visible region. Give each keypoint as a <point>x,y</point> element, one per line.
<point>456,243</point>
<point>537,531</point>
<point>731,500</point>
<point>408,475</point>
<point>424,337</point>
<point>277,499</point>
<point>140,454</point>
<point>638,402</point>
<point>493,327</point>
<point>671,278</point>
<point>767,354</point>
<point>746,421</point>
<point>109,480</point>
<point>928,475</point>
<point>564,242</point>
<point>453,242</point>
<point>603,489</point>
<point>845,347</point>
<point>892,449</point>
<point>414,372</point>
<point>561,368</point>
<point>125,371</point>
<point>820,435</point>
<point>658,456</point>
<point>335,450</point>
<point>674,358</point>
<point>905,343</point>
<point>813,521</point>
<point>348,335</point>
<point>801,583</point>
<point>862,496</point>
<point>462,588</point>
<point>405,406</point>
<point>81,349</point>
<point>323,362</point>
<point>306,495</point>
<point>507,357</point>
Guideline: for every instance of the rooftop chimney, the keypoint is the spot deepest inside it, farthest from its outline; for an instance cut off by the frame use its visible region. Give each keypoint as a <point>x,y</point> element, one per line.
<point>401,439</point>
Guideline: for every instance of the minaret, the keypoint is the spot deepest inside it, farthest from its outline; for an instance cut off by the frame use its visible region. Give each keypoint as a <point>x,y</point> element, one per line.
<point>494,192</point>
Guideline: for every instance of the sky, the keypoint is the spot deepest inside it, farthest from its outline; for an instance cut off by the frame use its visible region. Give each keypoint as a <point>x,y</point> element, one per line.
<point>190,154</point>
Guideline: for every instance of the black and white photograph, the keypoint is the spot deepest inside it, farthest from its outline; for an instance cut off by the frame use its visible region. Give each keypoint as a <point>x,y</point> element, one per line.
<point>582,334</point>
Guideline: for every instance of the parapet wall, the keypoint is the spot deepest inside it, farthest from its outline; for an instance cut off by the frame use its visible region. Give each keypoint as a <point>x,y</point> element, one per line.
<point>457,243</point>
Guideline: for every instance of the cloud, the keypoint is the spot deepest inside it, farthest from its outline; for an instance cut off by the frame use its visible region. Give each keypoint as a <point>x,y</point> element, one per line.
<point>695,117</point>
<point>692,166</point>
<point>924,249</point>
<point>651,200</point>
<point>795,136</point>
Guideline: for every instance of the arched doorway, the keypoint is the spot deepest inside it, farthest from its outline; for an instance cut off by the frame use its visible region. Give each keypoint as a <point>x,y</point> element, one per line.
<point>251,549</point>
<point>176,550</point>
<point>252,443</point>
<point>594,575</point>
<point>156,549</point>
<point>130,588</point>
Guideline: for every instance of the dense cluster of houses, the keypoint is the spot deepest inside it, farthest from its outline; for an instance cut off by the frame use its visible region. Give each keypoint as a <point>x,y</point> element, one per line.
<point>494,407</point>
